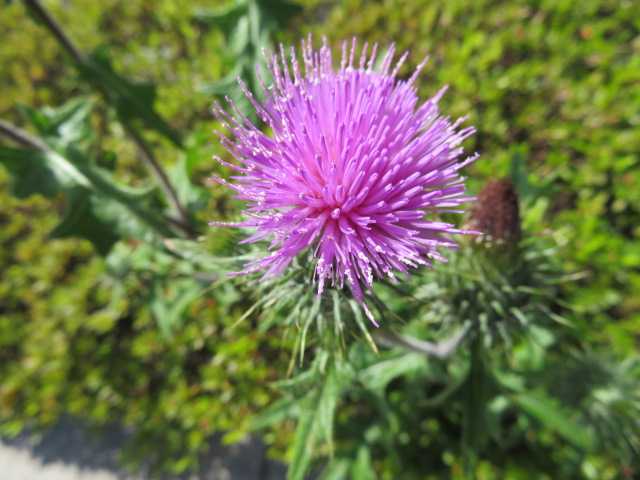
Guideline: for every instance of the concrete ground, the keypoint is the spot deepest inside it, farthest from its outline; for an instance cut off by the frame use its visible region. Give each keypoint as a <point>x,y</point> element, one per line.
<point>70,452</point>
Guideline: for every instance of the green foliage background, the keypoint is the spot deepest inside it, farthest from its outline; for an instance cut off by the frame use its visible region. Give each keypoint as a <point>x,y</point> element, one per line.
<point>551,84</point>
<point>554,82</point>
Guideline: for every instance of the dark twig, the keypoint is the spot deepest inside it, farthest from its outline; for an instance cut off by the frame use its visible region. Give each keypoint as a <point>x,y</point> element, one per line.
<point>163,180</point>
<point>21,137</point>
<point>186,229</point>
<point>34,7</point>
<point>146,153</point>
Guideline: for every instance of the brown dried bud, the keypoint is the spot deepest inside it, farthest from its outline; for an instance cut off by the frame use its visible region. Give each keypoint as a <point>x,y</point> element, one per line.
<point>496,212</point>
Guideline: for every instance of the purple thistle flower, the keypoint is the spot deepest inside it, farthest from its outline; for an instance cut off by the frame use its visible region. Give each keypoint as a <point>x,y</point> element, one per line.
<point>352,170</point>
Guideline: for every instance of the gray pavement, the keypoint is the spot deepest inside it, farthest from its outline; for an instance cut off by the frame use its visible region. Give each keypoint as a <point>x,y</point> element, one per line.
<point>69,451</point>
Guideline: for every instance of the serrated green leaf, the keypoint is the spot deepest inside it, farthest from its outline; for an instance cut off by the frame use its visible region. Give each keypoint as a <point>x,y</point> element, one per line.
<point>337,469</point>
<point>555,417</point>
<point>327,405</point>
<point>80,220</point>
<point>190,195</point>
<point>357,314</point>
<point>131,200</point>
<point>362,468</point>
<point>278,412</point>
<point>63,125</point>
<point>35,171</point>
<point>113,205</point>
<point>224,18</point>
<point>309,319</point>
<point>379,375</point>
<point>133,100</point>
<point>240,35</point>
<point>316,417</point>
<point>304,437</point>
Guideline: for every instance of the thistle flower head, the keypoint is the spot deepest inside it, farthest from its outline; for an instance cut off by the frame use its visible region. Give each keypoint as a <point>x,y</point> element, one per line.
<point>354,167</point>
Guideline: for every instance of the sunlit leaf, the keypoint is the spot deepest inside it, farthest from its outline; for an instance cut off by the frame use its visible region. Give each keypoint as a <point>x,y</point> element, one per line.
<point>336,470</point>
<point>63,125</point>
<point>317,415</point>
<point>378,375</point>
<point>35,171</point>
<point>304,437</point>
<point>190,195</point>
<point>225,17</point>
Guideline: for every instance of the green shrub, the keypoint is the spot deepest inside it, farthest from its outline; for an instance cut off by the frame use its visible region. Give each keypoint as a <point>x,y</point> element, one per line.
<point>68,345</point>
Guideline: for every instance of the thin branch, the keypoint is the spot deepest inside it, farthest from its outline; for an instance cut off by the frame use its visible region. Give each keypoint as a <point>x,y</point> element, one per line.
<point>440,350</point>
<point>146,153</point>
<point>156,169</point>
<point>186,229</point>
<point>22,137</point>
<point>34,7</point>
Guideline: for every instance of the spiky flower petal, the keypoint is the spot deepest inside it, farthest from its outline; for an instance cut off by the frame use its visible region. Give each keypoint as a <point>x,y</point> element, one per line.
<point>354,167</point>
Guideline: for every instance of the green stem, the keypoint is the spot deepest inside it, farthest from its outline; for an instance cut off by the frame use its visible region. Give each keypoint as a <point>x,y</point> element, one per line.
<point>21,137</point>
<point>163,180</point>
<point>441,350</point>
<point>475,405</point>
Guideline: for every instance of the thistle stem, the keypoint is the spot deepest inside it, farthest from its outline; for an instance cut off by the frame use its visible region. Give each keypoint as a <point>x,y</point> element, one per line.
<point>156,169</point>
<point>39,12</point>
<point>21,137</point>
<point>146,154</point>
<point>439,350</point>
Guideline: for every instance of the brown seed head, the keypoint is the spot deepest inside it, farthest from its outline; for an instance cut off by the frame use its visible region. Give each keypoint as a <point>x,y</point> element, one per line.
<point>496,212</point>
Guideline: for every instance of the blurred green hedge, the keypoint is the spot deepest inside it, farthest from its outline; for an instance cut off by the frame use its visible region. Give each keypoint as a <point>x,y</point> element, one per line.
<point>68,345</point>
